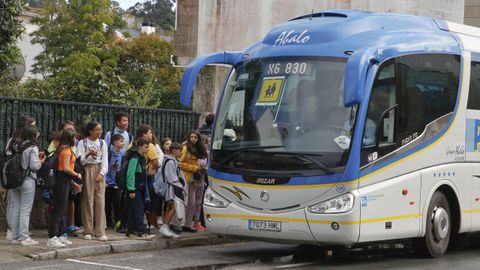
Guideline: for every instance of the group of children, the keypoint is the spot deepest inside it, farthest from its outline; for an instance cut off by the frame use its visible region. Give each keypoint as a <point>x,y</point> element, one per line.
<point>110,182</point>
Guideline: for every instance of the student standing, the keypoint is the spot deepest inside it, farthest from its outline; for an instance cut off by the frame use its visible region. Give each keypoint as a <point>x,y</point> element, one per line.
<point>112,192</point>
<point>93,153</point>
<point>192,151</point>
<point>136,183</point>
<point>23,122</point>
<point>121,127</point>
<point>22,196</point>
<point>175,180</point>
<point>63,181</point>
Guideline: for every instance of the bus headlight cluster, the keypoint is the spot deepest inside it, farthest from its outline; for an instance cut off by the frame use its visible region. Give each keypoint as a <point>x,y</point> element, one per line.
<point>340,204</point>
<point>213,199</point>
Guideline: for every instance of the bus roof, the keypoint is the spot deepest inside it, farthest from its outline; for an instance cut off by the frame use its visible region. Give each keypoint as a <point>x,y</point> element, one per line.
<point>337,33</point>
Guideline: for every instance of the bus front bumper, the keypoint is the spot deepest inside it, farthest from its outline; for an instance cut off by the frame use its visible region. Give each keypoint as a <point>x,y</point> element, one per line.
<point>298,226</point>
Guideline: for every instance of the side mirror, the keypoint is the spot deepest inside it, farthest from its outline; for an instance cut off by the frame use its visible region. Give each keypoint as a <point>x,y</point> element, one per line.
<point>380,124</point>
<point>191,72</point>
<point>356,74</point>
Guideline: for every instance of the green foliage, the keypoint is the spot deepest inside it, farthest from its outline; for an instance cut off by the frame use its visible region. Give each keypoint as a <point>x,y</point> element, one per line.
<point>10,29</point>
<point>158,12</point>
<point>84,61</point>
<point>145,66</point>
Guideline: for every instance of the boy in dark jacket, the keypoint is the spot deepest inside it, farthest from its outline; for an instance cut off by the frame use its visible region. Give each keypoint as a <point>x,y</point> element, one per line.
<point>135,188</point>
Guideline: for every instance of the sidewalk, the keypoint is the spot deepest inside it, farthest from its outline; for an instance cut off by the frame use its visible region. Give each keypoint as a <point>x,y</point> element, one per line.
<point>118,243</point>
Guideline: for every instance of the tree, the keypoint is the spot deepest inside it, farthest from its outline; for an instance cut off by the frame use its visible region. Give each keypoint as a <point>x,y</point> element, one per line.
<point>158,12</point>
<point>145,66</point>
<point>10,30</point>
<point>79,58</point>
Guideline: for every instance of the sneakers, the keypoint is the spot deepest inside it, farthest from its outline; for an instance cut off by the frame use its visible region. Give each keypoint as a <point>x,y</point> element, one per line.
<point>188,229</point>
<point>159,221</point>
<point>198,226</point>
<point>28,242</point>
<point>15,242</point>
<point>87,237</point>
<point>165,231</point>
<point>9,235</point>
<point>145,236</point>
<point>55,242</point>
<point>64,240</point>
<point>102,238</point>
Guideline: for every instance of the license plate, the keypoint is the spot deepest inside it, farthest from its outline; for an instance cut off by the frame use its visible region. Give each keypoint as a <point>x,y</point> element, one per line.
<point>264,225</point>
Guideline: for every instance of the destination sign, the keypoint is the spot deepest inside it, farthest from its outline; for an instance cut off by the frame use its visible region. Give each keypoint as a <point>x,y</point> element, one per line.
<point>288,68</point>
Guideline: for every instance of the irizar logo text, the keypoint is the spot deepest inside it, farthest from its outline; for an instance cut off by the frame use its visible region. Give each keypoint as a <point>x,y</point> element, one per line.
<point>268,181</point>
<point>288,38</point>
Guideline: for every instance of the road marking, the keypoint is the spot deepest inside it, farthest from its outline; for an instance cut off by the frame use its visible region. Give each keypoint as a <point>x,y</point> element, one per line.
<point>286,266</point>
<point>102,264</point>
<point>48,266</point>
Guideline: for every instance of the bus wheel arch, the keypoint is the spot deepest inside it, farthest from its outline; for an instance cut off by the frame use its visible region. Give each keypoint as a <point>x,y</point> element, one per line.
<point>442,223</point>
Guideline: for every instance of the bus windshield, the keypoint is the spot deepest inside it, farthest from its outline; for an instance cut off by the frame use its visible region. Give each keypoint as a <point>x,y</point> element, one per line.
<point>284,116</point>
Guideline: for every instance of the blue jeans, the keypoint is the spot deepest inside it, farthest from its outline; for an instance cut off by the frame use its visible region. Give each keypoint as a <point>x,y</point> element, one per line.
<point>22,198</point>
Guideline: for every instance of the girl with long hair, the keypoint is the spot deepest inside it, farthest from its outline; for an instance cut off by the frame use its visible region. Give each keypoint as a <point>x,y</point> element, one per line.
<point>23,121</point>
<point>22,196</point>
<point>93,154</point>
<point>63,180</point>
<point>193,151</point>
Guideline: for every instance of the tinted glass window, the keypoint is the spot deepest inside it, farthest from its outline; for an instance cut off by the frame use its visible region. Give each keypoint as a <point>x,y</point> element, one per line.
<point>409,92</point>
<point>429,87</point>
<point>474,93</point>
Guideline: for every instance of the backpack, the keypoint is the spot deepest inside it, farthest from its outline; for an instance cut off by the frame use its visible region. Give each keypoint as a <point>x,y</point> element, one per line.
<point>12,173</point>
<point>160,184</point>
<point>121,175</point>
<point>46,174</point>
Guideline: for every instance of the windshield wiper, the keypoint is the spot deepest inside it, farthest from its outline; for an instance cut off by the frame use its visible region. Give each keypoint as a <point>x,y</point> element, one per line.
<point>322,166</point>
<point>237,152</point>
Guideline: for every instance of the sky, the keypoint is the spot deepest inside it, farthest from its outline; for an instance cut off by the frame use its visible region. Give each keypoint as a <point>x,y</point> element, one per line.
<point>125,4</point>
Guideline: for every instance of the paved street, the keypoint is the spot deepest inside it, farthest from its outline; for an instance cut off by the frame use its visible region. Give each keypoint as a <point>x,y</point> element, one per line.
<point>255,255</point>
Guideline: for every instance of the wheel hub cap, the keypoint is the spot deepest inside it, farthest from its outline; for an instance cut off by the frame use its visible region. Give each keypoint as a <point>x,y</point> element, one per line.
<point>440,223</point>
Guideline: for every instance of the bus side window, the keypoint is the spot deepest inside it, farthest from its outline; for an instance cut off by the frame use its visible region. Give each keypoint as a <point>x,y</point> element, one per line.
<point>474,93</point>
<point>423,88</point>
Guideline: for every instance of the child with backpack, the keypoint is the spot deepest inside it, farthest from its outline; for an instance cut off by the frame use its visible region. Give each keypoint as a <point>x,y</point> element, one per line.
<point>23,195</point>
<point>112,192</point>
<point>94,157</point>
<point>172,176</point>
<point>136,181</point>
<point>63,168</point>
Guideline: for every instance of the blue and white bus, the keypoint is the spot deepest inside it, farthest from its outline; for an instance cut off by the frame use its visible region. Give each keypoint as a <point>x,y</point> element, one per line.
<point>346,127</point>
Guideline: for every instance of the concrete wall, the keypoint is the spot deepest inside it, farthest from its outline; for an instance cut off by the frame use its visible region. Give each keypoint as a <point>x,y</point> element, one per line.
<point>236,24</point>
<point>205,26</point>
<point>472,12</point>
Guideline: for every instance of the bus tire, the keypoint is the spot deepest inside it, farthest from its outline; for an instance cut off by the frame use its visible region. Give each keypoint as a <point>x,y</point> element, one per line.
<point>438,228</point>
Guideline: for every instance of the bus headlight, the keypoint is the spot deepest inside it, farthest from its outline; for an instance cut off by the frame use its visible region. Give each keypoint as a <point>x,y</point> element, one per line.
<point>213,199</point>
<point>340,204</point>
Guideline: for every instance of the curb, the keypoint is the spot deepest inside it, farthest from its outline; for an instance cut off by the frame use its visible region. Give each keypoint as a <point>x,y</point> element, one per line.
<point>129,246</point>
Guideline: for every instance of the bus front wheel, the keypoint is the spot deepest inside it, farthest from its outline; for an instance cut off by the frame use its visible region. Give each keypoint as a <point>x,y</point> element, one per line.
<point>438,229</point>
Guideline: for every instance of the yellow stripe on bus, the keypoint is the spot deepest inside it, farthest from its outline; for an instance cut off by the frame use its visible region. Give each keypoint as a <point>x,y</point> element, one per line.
<point>314,221</point>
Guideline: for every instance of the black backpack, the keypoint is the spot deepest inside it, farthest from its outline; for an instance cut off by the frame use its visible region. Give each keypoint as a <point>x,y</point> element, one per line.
<point>121,175</point>
<point>12,173</point>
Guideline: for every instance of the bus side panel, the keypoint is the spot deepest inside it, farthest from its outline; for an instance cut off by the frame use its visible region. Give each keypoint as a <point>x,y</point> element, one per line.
<point>458,177</point>
<point>391,209</point>
<point>474,211</point>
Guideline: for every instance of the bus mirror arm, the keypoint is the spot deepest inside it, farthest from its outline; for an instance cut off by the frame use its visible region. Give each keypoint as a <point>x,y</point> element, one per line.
<point>380,124</point>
